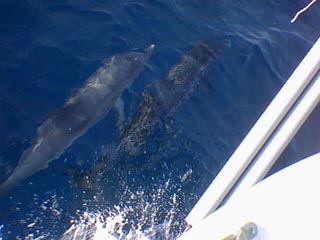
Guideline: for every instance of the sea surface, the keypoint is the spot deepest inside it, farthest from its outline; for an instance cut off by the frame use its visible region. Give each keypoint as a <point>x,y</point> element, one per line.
<point>49,48</point>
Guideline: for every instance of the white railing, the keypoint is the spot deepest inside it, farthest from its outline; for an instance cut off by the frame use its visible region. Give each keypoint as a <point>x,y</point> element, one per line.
<point>268,137</point>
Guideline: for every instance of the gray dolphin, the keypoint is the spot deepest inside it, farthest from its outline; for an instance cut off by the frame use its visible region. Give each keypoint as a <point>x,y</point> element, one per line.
<point>81,111</point>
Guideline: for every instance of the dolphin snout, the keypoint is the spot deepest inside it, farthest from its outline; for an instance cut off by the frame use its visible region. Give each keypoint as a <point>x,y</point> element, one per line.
<point>149,49</point>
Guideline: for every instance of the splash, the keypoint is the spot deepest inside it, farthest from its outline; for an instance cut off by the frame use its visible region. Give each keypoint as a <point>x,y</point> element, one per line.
<point>140,216</point>
<point>99,227</point>
<point>1,226</point>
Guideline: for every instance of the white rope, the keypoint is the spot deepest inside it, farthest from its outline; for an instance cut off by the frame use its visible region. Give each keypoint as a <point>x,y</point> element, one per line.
<point>302,10</point>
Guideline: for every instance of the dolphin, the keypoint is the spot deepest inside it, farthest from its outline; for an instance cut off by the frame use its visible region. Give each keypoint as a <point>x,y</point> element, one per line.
<point>162,98</point>
<point>82,110</point>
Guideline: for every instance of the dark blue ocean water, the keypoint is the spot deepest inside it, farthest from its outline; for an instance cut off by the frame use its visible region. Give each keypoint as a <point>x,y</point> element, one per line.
<point>49,48</point>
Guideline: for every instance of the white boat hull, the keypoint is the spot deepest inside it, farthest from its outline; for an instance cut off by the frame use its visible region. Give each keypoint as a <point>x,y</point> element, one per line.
<point>285,205</point>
